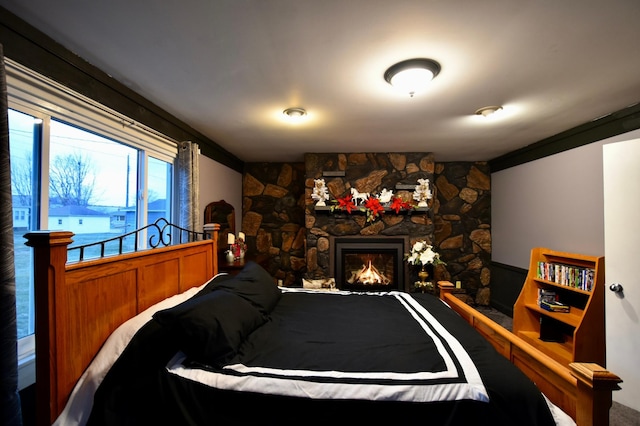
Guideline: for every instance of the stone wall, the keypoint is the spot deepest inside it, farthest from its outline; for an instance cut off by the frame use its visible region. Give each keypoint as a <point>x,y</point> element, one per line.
<point>273,218</point>
<point>462,212</point>
<point>280,225</point>
<point>368,173</point>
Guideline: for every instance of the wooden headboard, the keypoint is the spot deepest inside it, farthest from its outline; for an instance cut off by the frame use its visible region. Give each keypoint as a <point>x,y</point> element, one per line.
<point>78,305</point>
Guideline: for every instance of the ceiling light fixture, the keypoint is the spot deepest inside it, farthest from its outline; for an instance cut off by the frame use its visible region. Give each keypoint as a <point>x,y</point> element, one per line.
<point>295,113</point>
<point>488,111</point>
<point>412,75</point>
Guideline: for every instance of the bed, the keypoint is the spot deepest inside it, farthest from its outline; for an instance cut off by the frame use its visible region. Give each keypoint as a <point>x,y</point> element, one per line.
<point>159,336</point>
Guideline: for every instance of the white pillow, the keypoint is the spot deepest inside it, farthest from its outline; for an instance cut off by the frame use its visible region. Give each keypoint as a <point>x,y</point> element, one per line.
<point>321,284</point>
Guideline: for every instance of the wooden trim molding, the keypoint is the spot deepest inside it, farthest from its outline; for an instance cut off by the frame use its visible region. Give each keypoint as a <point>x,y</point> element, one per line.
<point>614,124</point>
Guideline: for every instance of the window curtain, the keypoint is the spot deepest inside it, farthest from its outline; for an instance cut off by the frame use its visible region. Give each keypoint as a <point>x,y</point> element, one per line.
<point>188,181</point>
<point>10,411</point>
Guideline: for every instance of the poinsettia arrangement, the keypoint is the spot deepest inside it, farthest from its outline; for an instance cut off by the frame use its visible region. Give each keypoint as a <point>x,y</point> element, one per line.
<point>373,206</point>
<point>398,204</point>
<point>345,203</point>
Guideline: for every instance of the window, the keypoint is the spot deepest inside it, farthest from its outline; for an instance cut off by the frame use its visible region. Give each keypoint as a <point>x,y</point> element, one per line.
<point>24,138</point>
<point>80,167</point>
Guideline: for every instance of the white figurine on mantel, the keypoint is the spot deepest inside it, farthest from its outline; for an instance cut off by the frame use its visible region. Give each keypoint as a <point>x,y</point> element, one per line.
<point>385,196</point>
<point>359,198</point>
<point>320,192</point>
<point>422,193</point>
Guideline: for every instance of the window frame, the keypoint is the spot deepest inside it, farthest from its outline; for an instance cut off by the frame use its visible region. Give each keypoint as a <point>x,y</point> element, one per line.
<point>43,98</point>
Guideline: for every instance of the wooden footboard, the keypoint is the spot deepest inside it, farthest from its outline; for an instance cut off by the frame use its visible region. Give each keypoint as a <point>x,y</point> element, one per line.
<point>583,390</point>
<point>79,305</point>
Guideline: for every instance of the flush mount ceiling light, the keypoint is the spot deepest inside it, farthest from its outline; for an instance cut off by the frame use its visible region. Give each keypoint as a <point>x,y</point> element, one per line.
<point>488,111</point>
<point>295,113</point>
<point>412,75</point>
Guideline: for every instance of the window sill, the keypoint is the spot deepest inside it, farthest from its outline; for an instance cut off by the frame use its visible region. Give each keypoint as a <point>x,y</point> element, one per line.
<point>26,371</point>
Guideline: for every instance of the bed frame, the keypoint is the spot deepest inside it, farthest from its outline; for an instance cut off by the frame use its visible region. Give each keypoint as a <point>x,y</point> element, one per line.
<point>583,390</point>
<point>78,305</point>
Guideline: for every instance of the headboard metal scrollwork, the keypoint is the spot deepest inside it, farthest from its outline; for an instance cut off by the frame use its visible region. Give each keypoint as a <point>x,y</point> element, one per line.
<point>161,233</point>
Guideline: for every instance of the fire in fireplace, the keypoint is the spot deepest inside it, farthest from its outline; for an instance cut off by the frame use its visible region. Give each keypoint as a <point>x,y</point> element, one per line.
<point>369,275</point>
<point>369,263</point>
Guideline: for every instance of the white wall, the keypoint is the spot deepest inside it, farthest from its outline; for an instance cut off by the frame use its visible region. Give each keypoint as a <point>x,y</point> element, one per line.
<point>89,225</point>
<point>219,182</point>
<point>554,202</point>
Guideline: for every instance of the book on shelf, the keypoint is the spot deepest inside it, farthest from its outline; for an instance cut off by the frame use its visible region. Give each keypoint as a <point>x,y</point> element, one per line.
<point>550,301</point>
<point>554,306</point>
<point>568,275</point>
<point>546,295</point>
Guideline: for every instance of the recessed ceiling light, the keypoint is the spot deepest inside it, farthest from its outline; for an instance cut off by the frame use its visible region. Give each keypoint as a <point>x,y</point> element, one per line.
<point>412,75</point>
<point>295,113</point>
<point>488,111</point>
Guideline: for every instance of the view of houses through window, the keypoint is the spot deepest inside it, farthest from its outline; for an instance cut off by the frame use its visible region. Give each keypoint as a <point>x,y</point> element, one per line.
<point>65,177</point>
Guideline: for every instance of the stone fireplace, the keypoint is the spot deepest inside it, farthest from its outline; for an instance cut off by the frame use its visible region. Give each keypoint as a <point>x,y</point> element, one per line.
<point>356,233</point>
<point>369,263</point>
<point>284,229</point>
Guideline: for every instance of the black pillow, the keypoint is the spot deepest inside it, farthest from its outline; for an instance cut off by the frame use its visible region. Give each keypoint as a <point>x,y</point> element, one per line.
<point>254,284</point>
<point>209,329</point>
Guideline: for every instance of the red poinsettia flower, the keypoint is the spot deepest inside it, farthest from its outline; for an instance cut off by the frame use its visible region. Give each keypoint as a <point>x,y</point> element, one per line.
<point>374,208</point>
<point>398,204</point>
<point>346,203</point>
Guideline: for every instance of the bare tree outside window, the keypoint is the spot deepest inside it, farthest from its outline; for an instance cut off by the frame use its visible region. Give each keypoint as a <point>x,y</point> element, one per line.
<point>21,179</point>
<point>72,180</point>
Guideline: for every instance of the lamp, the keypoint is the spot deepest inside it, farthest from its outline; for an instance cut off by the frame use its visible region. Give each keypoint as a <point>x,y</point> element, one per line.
<point>488,110</point>
<point>412,75</point>
<point>295,113</point>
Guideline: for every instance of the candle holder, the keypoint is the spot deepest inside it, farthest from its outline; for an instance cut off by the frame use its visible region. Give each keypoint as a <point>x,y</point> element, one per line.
<point>230,255</point>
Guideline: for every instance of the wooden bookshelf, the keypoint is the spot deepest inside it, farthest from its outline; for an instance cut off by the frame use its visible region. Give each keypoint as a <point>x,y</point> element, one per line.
<point>578,281</point>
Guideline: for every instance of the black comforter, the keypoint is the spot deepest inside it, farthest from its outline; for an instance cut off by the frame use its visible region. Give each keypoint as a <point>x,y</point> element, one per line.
<point>293,356</point>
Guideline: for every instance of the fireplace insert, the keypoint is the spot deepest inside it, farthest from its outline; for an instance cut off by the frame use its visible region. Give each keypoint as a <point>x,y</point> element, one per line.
<point>369,263</point>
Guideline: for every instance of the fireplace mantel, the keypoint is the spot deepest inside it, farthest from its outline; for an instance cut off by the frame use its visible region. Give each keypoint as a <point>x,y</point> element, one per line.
<point>330,209</point>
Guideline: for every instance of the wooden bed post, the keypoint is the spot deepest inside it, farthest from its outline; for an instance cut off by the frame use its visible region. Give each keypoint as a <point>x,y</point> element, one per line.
<point>49,257</point>
<point>212,232</point>
<point>594,384</point>
<point>446,287</point>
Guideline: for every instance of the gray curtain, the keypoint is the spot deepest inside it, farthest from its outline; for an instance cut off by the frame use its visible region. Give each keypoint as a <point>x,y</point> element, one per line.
<point>188,172</point>
<point>10,412</point>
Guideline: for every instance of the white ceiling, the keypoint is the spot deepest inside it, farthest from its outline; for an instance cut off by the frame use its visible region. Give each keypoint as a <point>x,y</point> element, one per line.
<point>228,68</point>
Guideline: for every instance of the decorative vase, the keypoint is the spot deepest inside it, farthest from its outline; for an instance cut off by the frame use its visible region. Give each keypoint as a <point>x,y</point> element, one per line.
<point>230,256</point>
<point>423,283</point>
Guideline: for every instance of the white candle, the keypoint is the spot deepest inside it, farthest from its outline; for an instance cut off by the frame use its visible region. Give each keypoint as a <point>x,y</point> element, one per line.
<point>231,238</point>
<point>241,236</point>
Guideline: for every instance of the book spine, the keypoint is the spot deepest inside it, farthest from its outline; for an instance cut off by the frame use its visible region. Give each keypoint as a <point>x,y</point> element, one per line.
<point>566,275</point>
